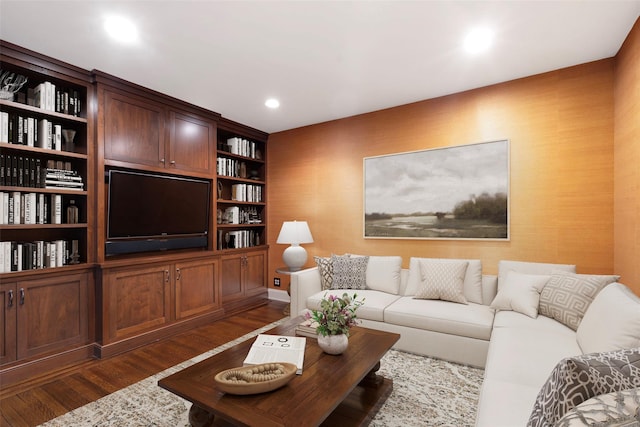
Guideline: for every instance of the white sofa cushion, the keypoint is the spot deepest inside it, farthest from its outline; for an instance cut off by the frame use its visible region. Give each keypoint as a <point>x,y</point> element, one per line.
<point>505,266</point>
<point>566,296</point>
<point>521,293</point>
<point>442,279</point>
<point>612,321</point>
<point>471,320</point>
<point>513,319</point>
<point>373,308</point>
<point>472,278</point>
<point>528,355</point>
<point>383,273</point>
<point>504,403</point>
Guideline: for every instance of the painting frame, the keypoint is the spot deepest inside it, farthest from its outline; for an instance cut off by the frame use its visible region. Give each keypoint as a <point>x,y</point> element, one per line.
<point>459,192</point>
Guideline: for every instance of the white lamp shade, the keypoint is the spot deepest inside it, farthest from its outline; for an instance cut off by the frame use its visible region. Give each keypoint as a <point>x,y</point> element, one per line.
<point>295,232</point>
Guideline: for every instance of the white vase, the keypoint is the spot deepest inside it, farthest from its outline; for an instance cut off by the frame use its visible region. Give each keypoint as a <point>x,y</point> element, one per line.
<point>333,344</point>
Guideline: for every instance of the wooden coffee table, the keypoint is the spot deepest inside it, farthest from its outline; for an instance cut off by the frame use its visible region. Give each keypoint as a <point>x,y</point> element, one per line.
<point>332,390</point>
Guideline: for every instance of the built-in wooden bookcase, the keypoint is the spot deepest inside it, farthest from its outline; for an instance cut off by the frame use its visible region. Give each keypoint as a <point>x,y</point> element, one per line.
<point>47,313</point>
<point>241,187</point>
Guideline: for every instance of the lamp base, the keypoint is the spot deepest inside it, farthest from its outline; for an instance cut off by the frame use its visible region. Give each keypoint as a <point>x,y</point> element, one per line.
<point>295,256</point>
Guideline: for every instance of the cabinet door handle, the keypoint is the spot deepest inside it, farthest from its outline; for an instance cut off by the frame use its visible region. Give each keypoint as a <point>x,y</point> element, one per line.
<point>178,275</point>
<point>10,298</point>
<point>21,296</point>
<point>167,276</point>
<point>173,162</point>
<point>162,161</point>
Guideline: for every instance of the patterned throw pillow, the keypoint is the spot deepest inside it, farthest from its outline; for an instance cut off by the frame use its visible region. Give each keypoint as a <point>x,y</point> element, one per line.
<point>577,379</point>
<point>617,409</point>
<point>567,296</point>
<point>349,273</point>
<point>325,268</point>
<point>442,280</point>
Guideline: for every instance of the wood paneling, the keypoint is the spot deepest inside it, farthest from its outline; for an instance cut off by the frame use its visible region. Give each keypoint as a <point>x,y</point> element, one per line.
<point>560,127</point>
<point>627,160</point>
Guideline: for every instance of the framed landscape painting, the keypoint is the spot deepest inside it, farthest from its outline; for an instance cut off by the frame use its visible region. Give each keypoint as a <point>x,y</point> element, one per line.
<point>459,192</point>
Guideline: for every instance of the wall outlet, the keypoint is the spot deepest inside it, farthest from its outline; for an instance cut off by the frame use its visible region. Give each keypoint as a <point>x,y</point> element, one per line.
<point>276,282</point>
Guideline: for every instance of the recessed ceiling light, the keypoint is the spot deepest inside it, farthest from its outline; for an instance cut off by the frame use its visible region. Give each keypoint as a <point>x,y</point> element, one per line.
<point>272,103</point>
<point>478,40</point>
<point>121,29</point>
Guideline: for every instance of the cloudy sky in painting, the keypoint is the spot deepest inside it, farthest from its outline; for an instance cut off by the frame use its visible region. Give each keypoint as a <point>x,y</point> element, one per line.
<point>435,180</point>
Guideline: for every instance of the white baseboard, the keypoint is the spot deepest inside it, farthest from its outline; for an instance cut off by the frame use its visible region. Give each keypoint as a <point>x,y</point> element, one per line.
<point>278,295</point>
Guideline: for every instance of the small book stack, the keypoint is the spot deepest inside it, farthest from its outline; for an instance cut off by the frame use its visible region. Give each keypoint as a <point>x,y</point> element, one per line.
<point>307,329</point>
<point>62,178</point>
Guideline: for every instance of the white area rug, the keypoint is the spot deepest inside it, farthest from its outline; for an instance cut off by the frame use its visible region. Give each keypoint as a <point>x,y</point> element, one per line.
<point>426,392</point>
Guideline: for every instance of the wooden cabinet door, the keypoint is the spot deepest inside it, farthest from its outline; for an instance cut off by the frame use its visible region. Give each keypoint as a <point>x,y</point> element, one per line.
<point>191,143</point>
<point>8,297</point>
<point>134,130</point>
<point>53,314</point>
<point>139,300</point>
<point>196,290</point>
<point>254,273</point>
<point>231,277</point>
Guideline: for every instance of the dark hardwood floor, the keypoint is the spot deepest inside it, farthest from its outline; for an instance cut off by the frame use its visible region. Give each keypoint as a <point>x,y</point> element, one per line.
<point>39,400</point>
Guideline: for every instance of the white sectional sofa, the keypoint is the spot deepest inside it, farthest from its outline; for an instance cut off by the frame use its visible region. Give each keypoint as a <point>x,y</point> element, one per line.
<point>442,329</point>
<point>519,326</point>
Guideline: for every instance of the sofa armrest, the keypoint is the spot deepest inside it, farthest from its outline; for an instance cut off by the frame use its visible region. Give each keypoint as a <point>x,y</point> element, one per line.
<point>489,288</point>
<point>304,283</point>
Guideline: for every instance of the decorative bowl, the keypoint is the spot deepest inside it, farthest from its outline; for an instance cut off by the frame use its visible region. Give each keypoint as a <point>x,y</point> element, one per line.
<point>255,379</point>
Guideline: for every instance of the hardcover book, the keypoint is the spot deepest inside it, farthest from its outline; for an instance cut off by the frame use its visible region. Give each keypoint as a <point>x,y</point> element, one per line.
<point>277,348</point>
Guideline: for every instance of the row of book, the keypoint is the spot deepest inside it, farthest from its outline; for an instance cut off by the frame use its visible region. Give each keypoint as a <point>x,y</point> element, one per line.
<point>36,208</point>
<point>23,171</point>
<point>246,193</point>
<point>51,98</point>
<point>30,131</point>
<point>21,256</point>
<point>231,167</point>
<point>244,147</point>
<point>240,215</point>
<point>238,239</point>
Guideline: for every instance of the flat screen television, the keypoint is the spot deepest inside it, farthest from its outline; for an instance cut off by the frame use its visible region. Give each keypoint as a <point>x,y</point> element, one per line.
<point>152,212</point>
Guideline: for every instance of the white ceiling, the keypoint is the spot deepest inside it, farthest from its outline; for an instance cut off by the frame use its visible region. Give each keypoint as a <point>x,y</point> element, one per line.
<point>322,59</point>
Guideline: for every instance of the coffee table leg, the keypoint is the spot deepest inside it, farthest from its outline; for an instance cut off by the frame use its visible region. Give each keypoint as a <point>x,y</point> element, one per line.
<point>372,379</point>
<point>199,417</point>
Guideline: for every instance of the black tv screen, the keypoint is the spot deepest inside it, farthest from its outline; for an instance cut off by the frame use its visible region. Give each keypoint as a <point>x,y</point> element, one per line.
<point>147,212</point>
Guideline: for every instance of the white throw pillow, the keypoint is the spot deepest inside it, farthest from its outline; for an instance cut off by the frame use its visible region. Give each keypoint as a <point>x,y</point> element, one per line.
<point>521,293</point>
<point>612,321</point>
<point>442,279</point>
<point>383,273</point>
<point>505,266</point>
<point>472,278</point>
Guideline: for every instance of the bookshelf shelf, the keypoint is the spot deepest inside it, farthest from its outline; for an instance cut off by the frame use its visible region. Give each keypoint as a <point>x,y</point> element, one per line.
<point>40,112</point>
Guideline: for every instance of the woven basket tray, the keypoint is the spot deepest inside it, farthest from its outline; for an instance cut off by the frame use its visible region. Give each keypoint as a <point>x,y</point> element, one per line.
<point>255,378</point>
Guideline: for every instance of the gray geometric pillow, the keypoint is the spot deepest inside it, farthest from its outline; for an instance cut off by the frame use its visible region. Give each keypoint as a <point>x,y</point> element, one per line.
<point>576,379</point>
<point>325,268</point>
<point>349,273</point>
<point>566,296</point>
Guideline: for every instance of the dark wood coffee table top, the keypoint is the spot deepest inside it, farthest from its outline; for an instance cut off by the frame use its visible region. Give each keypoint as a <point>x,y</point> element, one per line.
<point>327,382</point>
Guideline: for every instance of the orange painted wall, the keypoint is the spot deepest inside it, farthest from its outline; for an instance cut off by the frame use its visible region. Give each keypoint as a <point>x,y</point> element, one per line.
<point>560,126</point>
<point>627,160</point>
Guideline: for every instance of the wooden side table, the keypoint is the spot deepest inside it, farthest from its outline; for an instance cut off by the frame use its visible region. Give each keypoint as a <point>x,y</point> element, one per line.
<point>287,272</point>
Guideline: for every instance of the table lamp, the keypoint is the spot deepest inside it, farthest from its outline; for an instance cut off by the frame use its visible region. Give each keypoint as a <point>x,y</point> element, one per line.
<point>295,233</point>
